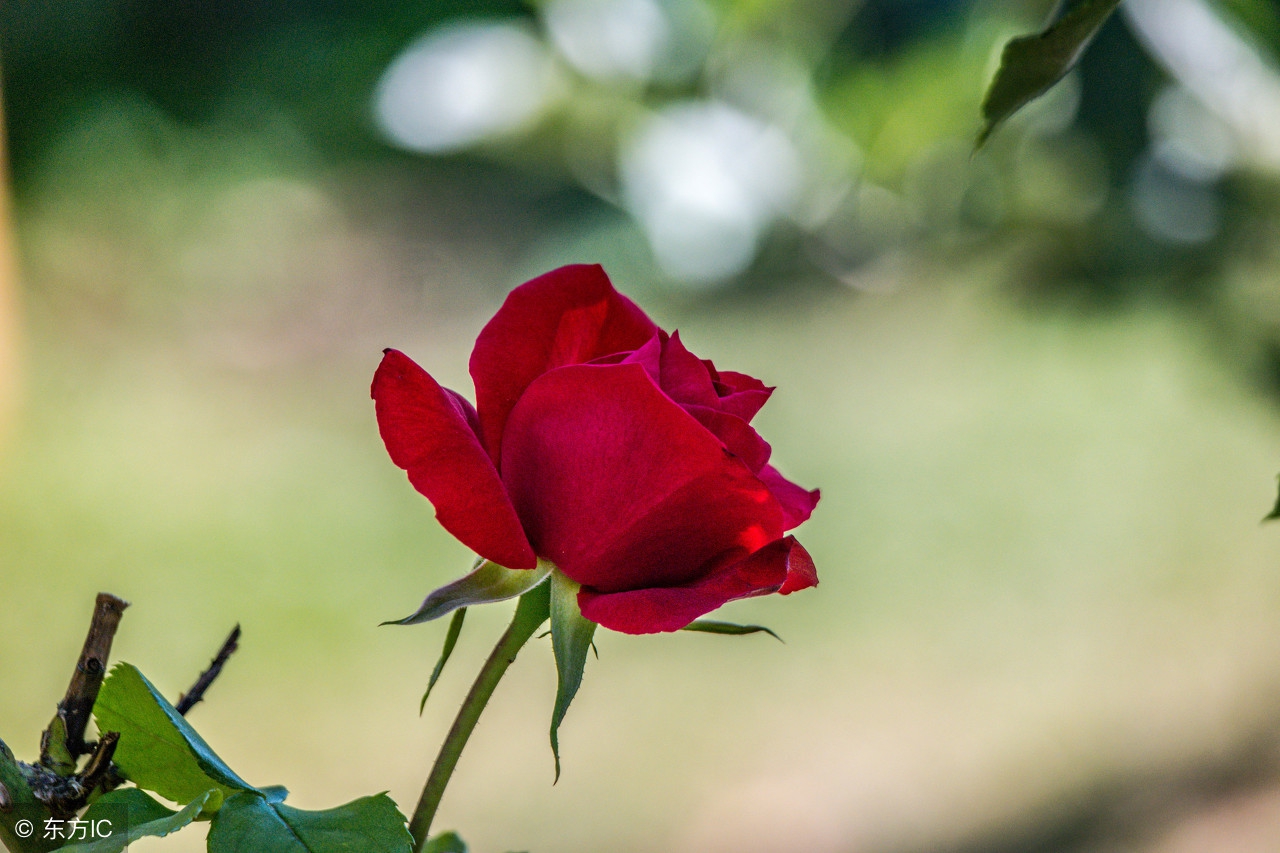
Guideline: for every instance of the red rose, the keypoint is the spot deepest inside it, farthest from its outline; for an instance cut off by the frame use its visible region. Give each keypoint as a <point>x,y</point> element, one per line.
<point>604,446</point>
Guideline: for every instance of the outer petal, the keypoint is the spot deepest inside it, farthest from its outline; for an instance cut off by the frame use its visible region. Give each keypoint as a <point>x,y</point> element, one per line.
<point>622,489</point>
<point>781,566</point>
<point>571,315</point>
<point>426,431</point>
<point>797,503</point>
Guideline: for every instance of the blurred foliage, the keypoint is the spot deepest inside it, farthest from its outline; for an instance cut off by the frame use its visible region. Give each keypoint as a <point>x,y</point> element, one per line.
<point>313,62</point>
<point>1030,65</point>
<point>824,139</point>
<point>894,85</point>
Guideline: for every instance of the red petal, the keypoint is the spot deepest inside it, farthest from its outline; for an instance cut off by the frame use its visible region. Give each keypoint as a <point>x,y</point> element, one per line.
<point>741,394</point>
<point>685,377</point>
<point>623,489</point>
<point>781,566</point>
<point>648,355</point>
<point>797,503</point>
<point>738,435</point>
<point>567,316</point>
<point>427,432</point>
<point>801,572</point>
<point>690,382</point>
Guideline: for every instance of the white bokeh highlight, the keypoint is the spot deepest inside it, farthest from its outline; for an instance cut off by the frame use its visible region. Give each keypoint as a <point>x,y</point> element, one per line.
<point>1190,139</point>
<point>464,84</point>
<point>706,181</point>
<point>1227,74</point>
<point>609,39</point>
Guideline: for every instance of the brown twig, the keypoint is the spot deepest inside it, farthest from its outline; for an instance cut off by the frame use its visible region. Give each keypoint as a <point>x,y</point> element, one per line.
<point>86,680</point>
<point>99,771</point>
<point>187,700</point>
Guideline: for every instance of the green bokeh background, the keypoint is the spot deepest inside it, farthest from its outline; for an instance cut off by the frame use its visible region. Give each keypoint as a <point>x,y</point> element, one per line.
<point>1044,442</point>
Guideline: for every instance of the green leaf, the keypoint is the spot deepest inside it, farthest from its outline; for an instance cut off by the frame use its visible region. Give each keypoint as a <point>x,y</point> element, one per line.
<point>1030,65</point>
<point>249,822</point>
<point>20,805</point>
<point>140,806</point>
<point>450,640</point>
<point>489,582</point>
<point>146,818</point>
<point>445,842</point>
<point>54,747</point>
<point>158,749</point>
<point>711,626</point>
<point>274,793</point>
<point>1275,512</point>
<point>571,634</point>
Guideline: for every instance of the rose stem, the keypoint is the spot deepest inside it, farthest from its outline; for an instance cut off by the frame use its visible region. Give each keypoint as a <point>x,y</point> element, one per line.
<point>531,612</point>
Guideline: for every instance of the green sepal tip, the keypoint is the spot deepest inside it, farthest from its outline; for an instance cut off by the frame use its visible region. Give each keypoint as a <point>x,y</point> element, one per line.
<point>712,626</point>
<point>571,636</point>
<point>450,640</point>
<point>485,584</point>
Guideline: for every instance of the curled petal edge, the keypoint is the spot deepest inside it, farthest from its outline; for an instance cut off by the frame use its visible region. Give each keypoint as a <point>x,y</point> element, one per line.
<point>797,502</point>
<point>782,566</point>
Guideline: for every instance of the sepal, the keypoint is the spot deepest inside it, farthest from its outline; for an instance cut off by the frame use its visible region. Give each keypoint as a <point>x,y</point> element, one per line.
<point>571,634</point>
<point>713,626</point>
<point>487,583</point>
<point>450,640</point>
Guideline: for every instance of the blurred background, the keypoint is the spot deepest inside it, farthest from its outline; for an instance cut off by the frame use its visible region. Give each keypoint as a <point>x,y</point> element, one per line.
<point>1037,385</point>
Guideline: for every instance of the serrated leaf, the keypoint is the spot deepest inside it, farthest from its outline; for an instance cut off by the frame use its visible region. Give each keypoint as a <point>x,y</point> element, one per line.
<point>445,842</point>
<point>158,749</point>
<point>146,818</point>
<point>571,635</point>
<point>1030,65</point>
<point>712,626</point>
<point>487,583</point>
<point>1275,512</point>
<point>249,822</point>
<point>450,640</point>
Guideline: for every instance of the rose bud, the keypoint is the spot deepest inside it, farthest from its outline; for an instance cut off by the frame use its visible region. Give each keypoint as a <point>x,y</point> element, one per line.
<point>601,445</point>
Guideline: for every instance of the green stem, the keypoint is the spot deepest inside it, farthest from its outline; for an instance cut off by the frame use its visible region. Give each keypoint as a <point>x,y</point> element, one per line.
<point>531,612</point>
